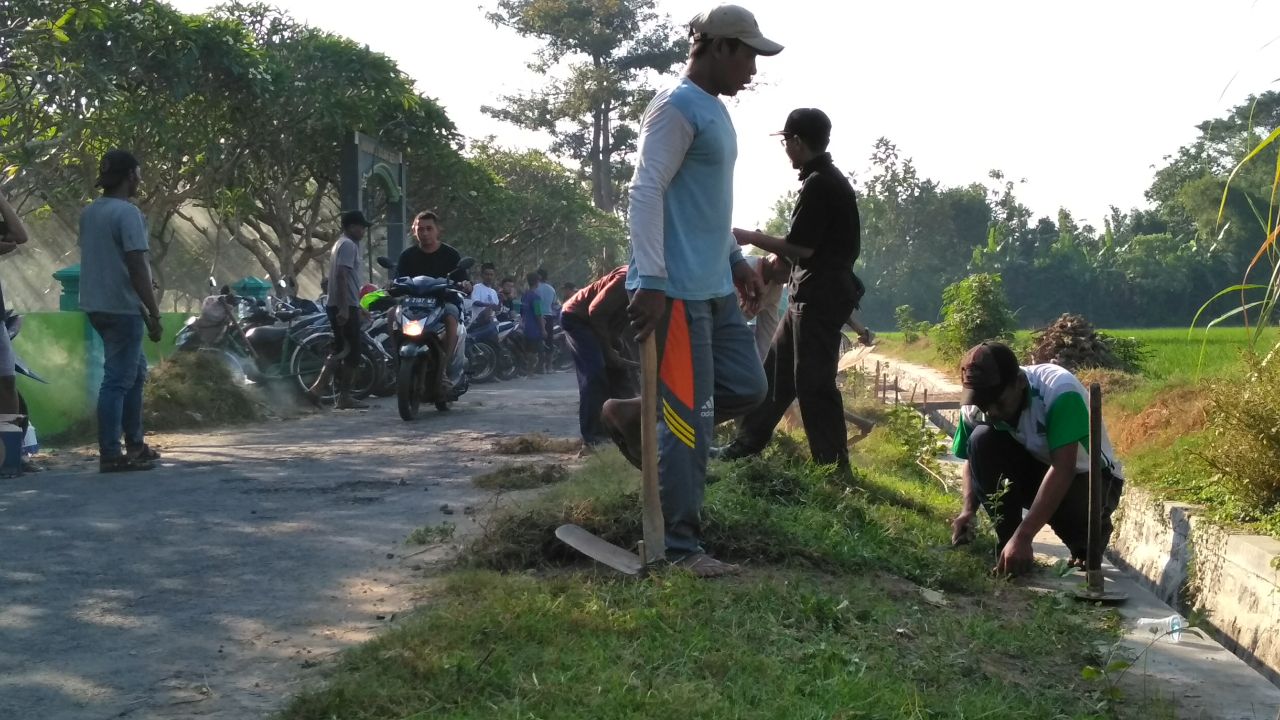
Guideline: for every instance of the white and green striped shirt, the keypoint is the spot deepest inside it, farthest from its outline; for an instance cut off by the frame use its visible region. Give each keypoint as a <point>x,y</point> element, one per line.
<point>1056,415</point>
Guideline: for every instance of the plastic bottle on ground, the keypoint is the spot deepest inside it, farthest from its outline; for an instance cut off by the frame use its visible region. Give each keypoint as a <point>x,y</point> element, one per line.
<point>1168,628</point>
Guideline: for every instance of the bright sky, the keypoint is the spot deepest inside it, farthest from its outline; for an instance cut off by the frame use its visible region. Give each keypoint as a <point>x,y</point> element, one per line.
<point>1080,99</point>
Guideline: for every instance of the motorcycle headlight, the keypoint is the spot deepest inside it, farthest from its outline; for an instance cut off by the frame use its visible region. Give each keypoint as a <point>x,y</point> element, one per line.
<point>413,328</point>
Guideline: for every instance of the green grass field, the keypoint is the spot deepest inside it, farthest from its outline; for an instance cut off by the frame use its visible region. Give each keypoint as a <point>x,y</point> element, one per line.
<point>853,605</point>
<point>1175,355</point>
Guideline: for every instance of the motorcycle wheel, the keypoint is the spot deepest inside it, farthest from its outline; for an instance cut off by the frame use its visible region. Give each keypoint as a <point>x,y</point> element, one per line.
<point>846,344</point>
<point>482,362</point>
<point>506,367</point>
<point>562,359</point>
<point>307,362</point>
<point>408,400</point>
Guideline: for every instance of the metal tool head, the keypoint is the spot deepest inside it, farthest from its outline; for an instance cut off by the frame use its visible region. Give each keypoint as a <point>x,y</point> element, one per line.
<point>1099,595</point>
<point>601,550</point>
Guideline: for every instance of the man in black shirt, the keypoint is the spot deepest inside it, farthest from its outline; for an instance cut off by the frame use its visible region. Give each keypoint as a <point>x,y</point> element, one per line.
<point>433,258</point>
<point>822,243</point>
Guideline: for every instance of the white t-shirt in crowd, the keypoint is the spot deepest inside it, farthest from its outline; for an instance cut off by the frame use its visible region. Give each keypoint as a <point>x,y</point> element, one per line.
<point>484,294</point>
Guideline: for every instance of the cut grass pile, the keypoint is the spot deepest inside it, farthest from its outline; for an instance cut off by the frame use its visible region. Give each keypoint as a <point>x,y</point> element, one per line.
<point>196,389</point>
<point>852,605</point>
<point>536,444</point>
<point>521,477</point>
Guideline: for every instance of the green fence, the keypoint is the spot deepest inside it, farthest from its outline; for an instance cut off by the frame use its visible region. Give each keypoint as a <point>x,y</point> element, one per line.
<point>63,348</point>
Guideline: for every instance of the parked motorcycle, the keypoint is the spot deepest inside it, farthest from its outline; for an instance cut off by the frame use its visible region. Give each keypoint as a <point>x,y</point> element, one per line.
<point>270,341</point>
<point>417,324</point>
<point>482,350</point>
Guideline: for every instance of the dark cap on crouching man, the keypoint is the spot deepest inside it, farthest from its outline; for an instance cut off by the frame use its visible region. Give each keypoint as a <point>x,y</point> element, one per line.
<point>1030,426</point>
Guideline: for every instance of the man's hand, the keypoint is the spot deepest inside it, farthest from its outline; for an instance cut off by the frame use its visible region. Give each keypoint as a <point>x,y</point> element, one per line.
<point>962,529</point>
<point>1016,558</point>
<point>646,310</point>
<point>750,287</point>
<point>744,237</point>
<point>155,330</point>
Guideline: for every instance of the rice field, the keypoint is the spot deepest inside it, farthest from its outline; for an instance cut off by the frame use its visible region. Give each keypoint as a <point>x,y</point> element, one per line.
<point>1175,355</point>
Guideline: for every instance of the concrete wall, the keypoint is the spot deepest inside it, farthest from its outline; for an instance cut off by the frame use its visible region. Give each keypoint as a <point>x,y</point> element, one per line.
<point>1190,562</point>
<point>62,348</point>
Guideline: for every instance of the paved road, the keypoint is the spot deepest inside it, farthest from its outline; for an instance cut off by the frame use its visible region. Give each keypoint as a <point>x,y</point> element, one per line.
<point>213,587</point>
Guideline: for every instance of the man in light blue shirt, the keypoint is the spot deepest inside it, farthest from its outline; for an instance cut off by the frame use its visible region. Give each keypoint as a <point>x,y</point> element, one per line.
<point>684,266</point>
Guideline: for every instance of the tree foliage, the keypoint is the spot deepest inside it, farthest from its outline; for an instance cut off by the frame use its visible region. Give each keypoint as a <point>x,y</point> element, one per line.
<point>595,54</point>
<point>238,116</point>
<point>1151,266</point>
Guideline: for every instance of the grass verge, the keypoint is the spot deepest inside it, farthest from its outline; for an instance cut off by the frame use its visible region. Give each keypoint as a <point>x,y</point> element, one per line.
<point>852,605</point>
<point>521,477</point>
<point>536,444</point>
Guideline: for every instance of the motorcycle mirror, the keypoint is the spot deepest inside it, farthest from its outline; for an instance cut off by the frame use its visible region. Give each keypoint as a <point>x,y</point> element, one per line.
<point>213,282</point>
<point>466,263</point>
<point>284,284</point>
<point>384,262</point>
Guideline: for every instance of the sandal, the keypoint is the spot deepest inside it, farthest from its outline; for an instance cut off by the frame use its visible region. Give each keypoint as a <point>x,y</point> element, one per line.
<point>703,565</point>
<point>124,463</point>
<point>143,452</point>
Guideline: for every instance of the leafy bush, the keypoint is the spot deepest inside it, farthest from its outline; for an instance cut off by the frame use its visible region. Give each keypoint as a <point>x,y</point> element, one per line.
<point>910,328</point>
<point>1244,444</point>
<point>973,310</point>
<point>1130,352</point>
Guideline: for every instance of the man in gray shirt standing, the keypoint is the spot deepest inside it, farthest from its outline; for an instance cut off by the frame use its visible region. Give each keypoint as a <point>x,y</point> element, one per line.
<point>117,293</point>
<point>342,304</point>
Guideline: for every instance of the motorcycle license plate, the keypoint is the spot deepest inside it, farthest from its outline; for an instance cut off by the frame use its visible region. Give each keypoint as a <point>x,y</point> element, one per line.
<point>420,302</point>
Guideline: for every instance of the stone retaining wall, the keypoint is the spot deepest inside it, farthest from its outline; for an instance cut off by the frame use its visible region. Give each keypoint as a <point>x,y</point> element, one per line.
<point>1193,564</point>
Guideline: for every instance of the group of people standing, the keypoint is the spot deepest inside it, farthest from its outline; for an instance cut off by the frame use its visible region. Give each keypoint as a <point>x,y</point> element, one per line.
<point>688,284</point>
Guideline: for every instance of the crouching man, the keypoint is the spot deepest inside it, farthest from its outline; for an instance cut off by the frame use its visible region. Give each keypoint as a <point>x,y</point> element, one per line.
<point>1030,426</point>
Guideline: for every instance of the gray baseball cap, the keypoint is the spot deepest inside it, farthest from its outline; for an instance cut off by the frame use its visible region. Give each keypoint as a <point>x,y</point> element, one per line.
<point>734,22</point>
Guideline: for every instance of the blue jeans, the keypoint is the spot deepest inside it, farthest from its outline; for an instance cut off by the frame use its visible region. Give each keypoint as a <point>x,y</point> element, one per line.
<point>709,372</point>
<point>124,372</point>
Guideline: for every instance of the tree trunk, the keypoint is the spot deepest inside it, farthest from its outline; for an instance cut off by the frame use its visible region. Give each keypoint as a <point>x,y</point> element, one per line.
<point>604,170</point>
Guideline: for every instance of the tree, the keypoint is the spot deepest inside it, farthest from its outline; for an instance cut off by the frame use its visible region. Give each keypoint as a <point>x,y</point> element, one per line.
<point>597,53</point>
<point>315,89</point>
<point>780,222</point>
<point>545,218</point>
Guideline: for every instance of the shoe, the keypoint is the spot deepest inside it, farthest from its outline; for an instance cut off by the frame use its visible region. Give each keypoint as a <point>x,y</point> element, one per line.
<point>345,402</point>
<point>704,566</point>
<point>143,452</point>
<point>124,463</point>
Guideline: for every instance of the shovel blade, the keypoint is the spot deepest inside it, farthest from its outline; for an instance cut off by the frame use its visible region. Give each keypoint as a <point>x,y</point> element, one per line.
<point>602,551</point>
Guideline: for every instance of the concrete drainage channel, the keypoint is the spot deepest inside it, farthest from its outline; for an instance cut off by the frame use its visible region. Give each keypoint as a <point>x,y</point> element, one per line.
<point>1165,556</point>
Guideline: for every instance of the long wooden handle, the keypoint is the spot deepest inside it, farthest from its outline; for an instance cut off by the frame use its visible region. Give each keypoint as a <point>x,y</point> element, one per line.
<point>1093,569</point>
<point>651,498</point>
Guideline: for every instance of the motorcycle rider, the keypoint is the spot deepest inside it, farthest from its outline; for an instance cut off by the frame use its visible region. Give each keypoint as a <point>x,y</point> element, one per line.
<point>435,259</point>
